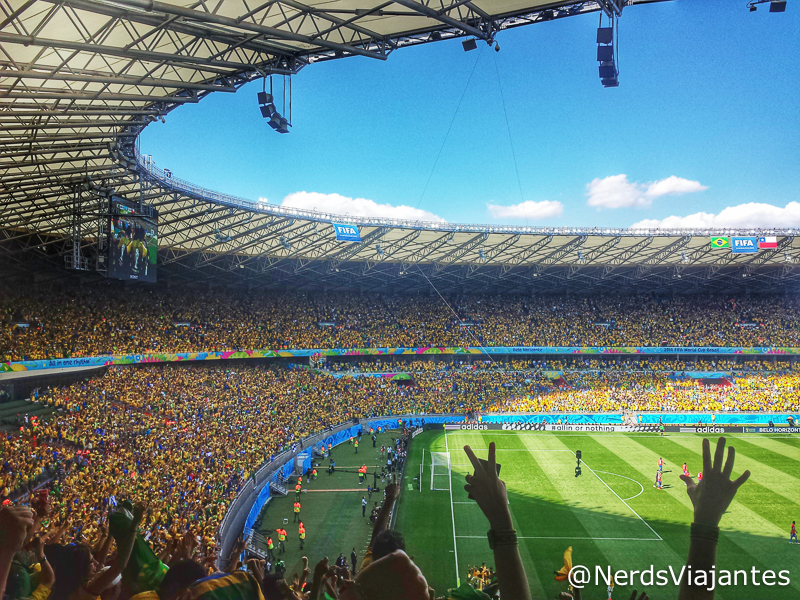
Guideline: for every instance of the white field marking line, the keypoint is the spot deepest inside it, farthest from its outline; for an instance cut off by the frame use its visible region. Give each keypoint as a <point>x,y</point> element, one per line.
<point>525,537</point>
<point>633,480</point>
<point>452,510</point>
<point>623,501</point>
<point>521,450</point>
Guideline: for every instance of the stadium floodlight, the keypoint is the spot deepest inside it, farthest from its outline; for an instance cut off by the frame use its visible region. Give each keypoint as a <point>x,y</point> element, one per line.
<point>469,44</point>
<point>284,126</point>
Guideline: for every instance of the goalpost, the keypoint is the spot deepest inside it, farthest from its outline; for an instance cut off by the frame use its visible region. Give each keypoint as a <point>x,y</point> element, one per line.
<point>440,471</point>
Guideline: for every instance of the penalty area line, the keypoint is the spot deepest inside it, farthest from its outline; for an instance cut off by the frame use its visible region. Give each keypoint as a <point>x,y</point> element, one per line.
<point>629,479</point>
<point>539,537</point>
<point>623,501</point>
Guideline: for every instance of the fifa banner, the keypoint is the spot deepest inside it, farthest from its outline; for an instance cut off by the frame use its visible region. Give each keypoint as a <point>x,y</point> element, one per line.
<point>347,233</point>
<point>744,245</point>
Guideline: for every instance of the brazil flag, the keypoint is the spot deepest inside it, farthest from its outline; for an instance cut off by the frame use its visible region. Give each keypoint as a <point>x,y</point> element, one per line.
<point>720,242</point>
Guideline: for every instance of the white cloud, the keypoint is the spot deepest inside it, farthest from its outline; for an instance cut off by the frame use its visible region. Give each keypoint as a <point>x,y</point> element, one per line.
<point>356,207</point>
<point>616,191</point>
<point>744,216</point>
<point>527,210</point>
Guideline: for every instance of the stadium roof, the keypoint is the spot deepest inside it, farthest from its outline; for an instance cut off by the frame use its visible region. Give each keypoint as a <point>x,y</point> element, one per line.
<point>80,79</point>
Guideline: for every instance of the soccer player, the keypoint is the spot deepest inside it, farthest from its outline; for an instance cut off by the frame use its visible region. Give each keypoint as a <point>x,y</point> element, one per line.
<point>658,480</point>
<point>610,587</point>
<point>660,464</point>
<point>699,476</point>
<point>363,506</point>
<point>296,509</point>
<point>302,533</point>
<point>793,534</point>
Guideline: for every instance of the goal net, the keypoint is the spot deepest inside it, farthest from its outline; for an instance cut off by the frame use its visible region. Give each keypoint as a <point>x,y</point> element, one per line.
<point>440,470</point>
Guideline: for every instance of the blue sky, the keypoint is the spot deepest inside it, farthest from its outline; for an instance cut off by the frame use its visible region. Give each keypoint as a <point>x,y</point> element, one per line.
<point>703,130</point>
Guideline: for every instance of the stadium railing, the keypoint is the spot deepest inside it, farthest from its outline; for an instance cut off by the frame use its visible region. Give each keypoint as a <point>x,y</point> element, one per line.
<point>167,180</point>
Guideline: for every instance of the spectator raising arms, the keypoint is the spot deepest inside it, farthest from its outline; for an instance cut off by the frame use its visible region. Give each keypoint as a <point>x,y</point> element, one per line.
<point>710,498</point>
<point>489,491</point>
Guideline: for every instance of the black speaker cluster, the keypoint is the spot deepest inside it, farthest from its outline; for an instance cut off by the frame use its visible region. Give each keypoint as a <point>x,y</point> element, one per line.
<point>266,105</point>
<point>609,74</point>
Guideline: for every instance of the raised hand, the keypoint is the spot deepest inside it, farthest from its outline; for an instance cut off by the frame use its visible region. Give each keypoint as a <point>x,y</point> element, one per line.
<point>643,596</point>
<point>321,569</point>
<point>488,490</point>
<point>15,523</point>
<point>138,514</point>
<point>712,496</point>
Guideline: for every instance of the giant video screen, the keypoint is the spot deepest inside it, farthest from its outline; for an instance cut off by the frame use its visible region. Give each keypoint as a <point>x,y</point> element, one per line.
<point>133,242</point>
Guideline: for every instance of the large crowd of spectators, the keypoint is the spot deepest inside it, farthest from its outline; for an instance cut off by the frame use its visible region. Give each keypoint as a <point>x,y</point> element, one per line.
<point>42,560</point>
<point>187,437</point>
<point>44,322</point>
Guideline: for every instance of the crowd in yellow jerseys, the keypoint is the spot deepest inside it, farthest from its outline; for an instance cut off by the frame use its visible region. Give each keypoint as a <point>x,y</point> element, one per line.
<point>187,438</point>
<point>48,322</point>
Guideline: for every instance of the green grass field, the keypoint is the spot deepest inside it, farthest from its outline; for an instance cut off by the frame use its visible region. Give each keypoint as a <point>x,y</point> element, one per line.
<point>611,515</point>
<point>330,509</point>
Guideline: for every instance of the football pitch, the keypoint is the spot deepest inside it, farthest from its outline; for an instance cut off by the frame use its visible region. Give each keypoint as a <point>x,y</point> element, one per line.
<point>611,515</point>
